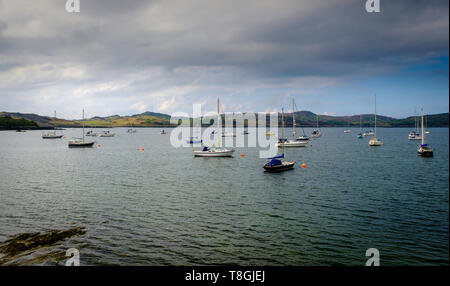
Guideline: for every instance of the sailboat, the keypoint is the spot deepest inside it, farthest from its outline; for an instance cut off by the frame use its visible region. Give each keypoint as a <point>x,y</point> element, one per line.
<point>360,134</point>
<point>374,141</point>
<point>79,142</point>
<point>414,134</point>
<point>316,133</point>
<point>369,132</point>
<point>424,149</point>
<point>218,151</point>
<point>131,130</point>
<point>277,163</point>
<point>301,137</point>
<point>294,142</point>
<point>426,125</point>
<point>348,130</point>
<point>52,135</point>
<point>107,133</point>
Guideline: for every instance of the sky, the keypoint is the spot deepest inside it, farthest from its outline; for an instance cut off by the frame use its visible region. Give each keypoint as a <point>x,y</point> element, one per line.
<point>128,57</point>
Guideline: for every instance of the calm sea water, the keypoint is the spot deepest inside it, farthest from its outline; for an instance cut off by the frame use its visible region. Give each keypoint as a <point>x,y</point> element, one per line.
<point>161,206</point>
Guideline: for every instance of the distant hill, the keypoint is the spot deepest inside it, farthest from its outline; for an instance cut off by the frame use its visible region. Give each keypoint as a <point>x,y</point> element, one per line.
<point>153,119</point>
<point>9,123</point>
<point>308,119</point>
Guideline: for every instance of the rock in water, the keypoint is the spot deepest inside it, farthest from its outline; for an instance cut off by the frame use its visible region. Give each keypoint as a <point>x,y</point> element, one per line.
<point>25,244</point>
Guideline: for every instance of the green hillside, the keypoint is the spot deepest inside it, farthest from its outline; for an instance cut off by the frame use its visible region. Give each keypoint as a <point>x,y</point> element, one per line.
<point>153,119</point>
<point>9,123</point>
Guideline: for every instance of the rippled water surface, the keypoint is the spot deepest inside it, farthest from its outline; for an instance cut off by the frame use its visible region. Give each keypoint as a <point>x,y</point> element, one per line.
<point>161,206</point>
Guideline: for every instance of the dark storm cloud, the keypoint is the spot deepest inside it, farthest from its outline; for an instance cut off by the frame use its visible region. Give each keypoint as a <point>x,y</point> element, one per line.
<point>248,41</point>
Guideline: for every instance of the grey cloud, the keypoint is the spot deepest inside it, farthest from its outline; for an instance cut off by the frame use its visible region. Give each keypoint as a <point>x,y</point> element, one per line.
<point>247,41</point>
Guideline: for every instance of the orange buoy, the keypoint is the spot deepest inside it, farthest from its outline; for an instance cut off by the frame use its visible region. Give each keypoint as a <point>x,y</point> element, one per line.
<point>99,145</point>
<point>142,149</point>
<point>242,154</point>
<point>310,145</point>
<point>303,165</point>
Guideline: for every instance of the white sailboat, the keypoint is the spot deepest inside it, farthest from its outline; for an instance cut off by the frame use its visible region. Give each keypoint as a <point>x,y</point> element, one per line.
<point>414,134</point>
<point>52,135</point>
<point>424,149</point>
<point>374,141</point>
<point>348,130</point>
<point>107,133</point>
<point>316,133</point>
<point>217,151</point>
<point>426,125</point>
<point>79,142</point>
<point>360,134</point>
<point>131,130</point>
<point>369,132</point>
<point>292,142</point>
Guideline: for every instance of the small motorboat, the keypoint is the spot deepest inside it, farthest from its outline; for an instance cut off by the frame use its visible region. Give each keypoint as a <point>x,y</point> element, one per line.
<point>414,135</point>
<point>162,132</point>
<point>360,135</point>
<point>347,131</point>
<point>51,136</point>
<point>92,133</point>
<point>316,134</point>
<point>214,152</point>
<point>291,143</point>
<point>106,134</point>
<point>20,130</point>
<point>368,133</point>
<point>302,138</point>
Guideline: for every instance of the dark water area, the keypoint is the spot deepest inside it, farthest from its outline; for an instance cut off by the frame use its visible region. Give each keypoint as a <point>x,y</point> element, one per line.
<point>162,206</point>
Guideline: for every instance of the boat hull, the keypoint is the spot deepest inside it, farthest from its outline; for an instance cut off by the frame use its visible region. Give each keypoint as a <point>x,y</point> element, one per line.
<point>292,144</point>
<point>214,153</point>
<point>80,144</point>
<point>52,136</point>
<point>375,142</point>
<point>425,152</point>
<point>285,166</point>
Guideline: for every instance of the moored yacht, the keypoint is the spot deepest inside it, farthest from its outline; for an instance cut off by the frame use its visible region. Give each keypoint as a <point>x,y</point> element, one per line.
<point>215,151</point>
<point>374,141</point>
<point>424,149</point>
<point>52,135</point>
<point>80,142</point>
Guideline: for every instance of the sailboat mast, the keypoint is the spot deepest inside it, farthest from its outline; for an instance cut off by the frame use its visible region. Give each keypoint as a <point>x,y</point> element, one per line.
<point>360,122</point>
<point>218,124</point>
<point>375,115</point>
<point>282,131</point>
<point>293,118</point>
<point>83,125</point>
<point>54,126</point>
<point>423,133</point>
